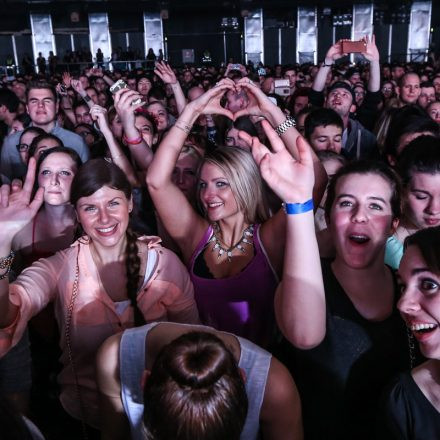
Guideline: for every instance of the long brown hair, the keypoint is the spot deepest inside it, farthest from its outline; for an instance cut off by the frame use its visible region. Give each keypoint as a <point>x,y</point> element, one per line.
<point>92,176</point>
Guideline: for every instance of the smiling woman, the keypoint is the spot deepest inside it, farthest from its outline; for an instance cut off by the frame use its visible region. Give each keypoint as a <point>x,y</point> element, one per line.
<point>234,251</point>
<point>107,281</point>
<point>410,407</point>
<point>347,337</point>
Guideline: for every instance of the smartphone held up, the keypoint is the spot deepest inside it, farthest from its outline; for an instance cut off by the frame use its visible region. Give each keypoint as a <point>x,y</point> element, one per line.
<point>121,84</point>
<point>348,46</point>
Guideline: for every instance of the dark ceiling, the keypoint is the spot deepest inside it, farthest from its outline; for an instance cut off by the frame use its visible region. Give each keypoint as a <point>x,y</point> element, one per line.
<point>184,5</point>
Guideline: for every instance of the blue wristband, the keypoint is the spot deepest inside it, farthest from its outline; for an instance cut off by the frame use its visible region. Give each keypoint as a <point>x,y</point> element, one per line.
<point>298,208</point>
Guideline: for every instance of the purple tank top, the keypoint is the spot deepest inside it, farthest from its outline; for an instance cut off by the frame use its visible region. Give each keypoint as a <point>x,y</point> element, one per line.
<point>242,304</point>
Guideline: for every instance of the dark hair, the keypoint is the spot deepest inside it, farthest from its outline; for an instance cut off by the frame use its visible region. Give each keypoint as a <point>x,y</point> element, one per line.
<point>39,84</point>
<point>157,93</point>
<point>321,117</point>
<point>287,68</point>
<point>78,104</point>
<point>91,177</point>
<point>422,155</point>
<point>242,123</point>
<point>302,91</point>
<point>367,167</point>
<point>427,84</point>
<point>331,155</point>
<point>195,391</point>
<point>25,119</point>
<point>37,130</point>
<point>428,242</point>
<point>142,112</point>
<point>65,150</point>
<point>408,119</point>
<point>9,99</point>
<point>42,137</point>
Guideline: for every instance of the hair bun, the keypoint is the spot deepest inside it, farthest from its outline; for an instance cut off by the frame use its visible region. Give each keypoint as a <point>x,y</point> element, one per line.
<point>201,362</point>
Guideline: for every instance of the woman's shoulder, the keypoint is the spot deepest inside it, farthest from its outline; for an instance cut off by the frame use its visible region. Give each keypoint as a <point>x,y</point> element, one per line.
<point>406,412</point>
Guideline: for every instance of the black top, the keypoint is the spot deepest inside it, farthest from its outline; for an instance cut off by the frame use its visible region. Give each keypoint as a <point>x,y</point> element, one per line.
<point>341,379</point>
<point>405,412</point>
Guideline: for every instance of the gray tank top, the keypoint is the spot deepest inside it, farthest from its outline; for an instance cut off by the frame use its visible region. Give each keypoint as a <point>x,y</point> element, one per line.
<point>253,360</point>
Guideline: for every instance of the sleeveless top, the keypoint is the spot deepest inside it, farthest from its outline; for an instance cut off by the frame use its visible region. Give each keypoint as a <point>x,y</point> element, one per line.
<point>253,360</point>
<point>243,303</point>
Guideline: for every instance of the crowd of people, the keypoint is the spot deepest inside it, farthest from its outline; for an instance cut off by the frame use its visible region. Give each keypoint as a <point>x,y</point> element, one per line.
<point>201,253</point>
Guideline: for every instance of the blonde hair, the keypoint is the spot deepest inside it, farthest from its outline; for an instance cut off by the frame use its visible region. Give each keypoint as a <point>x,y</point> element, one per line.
<point>243,175</point>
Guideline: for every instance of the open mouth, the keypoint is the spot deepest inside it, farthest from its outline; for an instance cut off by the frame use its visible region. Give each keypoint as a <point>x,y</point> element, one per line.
<point>214,205</point>
<point>358,238</point>
<point>422,330</point>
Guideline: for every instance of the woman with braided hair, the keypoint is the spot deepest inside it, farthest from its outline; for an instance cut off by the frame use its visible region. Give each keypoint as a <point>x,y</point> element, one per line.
<point>107,281</point>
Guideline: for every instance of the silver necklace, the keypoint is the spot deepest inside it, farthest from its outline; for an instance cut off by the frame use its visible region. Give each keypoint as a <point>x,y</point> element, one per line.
<point>248,233</point>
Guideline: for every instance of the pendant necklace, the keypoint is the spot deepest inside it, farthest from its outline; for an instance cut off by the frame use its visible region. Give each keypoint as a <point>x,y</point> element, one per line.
<point>248,233</point>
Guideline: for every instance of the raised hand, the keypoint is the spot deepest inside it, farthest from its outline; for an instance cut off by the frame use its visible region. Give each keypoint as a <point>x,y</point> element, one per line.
<point>371,52</point>
<point>124,106</point>
<point>259,103</point>
<point>334,53</point>
<point>77,86</point>
<point>209,102</point>
<point>292,180</point>
<point>165,72</point>
<point>67,79</point>
<point>17,206</point>
<point>60,90</point>
<point>97,71</point>
<point>99,114</point>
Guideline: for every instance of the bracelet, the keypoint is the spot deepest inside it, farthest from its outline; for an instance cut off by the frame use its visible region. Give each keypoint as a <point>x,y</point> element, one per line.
<point>6,263</point>
<point>183,126</point>
<point>87,98</point>
<point>284,126</point>
<point>327,65</point>
<point>136,141</point>
<point>298,208</point>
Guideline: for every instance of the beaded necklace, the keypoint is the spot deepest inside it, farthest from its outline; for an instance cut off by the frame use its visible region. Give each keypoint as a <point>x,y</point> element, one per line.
<point>248,233</point>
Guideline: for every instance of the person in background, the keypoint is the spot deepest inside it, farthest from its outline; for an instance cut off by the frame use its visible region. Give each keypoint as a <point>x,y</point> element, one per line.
<point>8,111</point>
<point>433,111</point>
<point>323,130</point>
<point>42,106</point>
<point>427,94</point>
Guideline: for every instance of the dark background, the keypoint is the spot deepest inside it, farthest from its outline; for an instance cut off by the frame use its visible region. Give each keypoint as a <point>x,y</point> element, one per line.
<point>196,25</point>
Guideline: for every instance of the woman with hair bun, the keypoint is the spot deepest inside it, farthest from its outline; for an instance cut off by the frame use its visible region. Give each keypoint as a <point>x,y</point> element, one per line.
<point>107,281</point>
<point>200,384</point>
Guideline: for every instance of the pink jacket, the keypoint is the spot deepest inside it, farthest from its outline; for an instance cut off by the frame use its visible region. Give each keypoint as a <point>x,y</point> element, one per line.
<point>167,296</point>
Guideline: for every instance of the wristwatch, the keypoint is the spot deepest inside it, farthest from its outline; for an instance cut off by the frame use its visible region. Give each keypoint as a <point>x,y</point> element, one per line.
<point>284,126</point>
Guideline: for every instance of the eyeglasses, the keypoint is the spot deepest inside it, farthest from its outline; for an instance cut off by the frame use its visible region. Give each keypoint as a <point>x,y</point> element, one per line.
<point>22,147</point>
